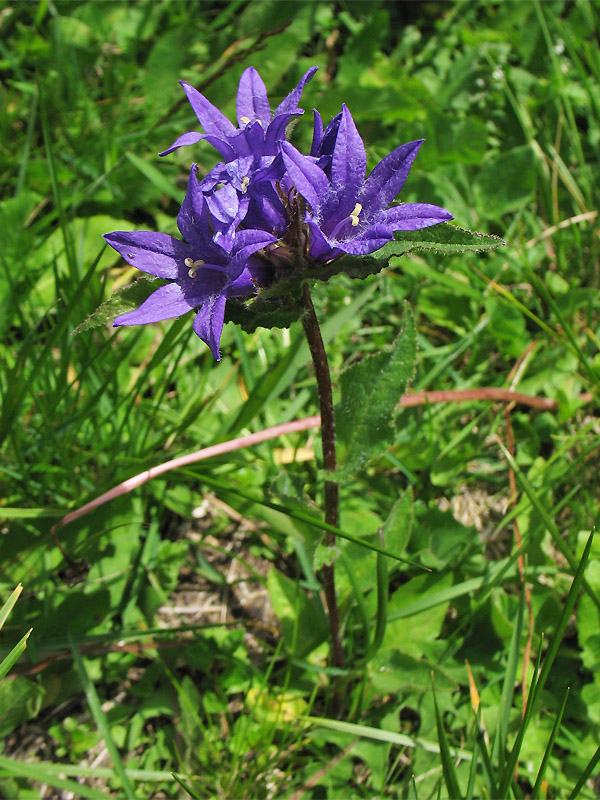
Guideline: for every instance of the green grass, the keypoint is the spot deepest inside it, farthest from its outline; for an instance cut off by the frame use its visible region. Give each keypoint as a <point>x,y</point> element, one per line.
<point>161,669</point>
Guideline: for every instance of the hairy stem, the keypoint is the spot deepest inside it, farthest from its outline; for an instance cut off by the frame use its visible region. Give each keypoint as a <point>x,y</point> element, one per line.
<point>321,365</point>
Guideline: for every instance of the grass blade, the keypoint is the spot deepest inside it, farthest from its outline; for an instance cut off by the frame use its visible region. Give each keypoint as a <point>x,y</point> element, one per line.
<point>384,736</point>
<point>102,723</point>
<point>488,768</point>
<point>546,758</point>
<point>508,687</point>
<point>548,522</point>
<point>10,604</point>
<point>382,603</point>
<point>14,654</point>
<point>450,776</point>
<point>538,685</point>
<point>587,772</point>
<point>295,513</point>
<point>509,767</point>
<point>194,795</point>
<point>39,772</point>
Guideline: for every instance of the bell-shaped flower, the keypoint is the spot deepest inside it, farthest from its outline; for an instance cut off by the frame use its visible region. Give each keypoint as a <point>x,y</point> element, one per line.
<point>259,131</point>
<point>348,214</point>
<point>202,274</point>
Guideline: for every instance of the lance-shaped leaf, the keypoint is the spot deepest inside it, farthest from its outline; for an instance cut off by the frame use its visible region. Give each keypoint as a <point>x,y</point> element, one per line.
<point>370,392</point>
<point>443,238</point>
<point>120,302</point>
<point>277,306</point>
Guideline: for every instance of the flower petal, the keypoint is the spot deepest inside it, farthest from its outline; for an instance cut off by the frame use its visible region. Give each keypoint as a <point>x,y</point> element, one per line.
<point>155,253</point>
<point>245,243</point>
<point>320,248</point>
<point>167,302</point>
<point>212,120</point>
<point>414,216</point>
<point>254,135</point>
<point>191,137</point>
<point>276,133</point>
<point>290,103</point>
<point>315,148</point>
<point>224,203</point>
<point>227,211</point>
<point>192,219</point>
<point>368,241</point>
<point>208,324</point>
<point>348,164</point>
<point>330,135</point>
<point>266,211</point>
<point>245,284</point>
<point>308,178</point>
<point>389,176</point>
<point>252,101</point>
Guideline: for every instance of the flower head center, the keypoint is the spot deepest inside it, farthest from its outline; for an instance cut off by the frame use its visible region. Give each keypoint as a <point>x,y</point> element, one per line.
<point>355,213</point>
<point>193,266</point>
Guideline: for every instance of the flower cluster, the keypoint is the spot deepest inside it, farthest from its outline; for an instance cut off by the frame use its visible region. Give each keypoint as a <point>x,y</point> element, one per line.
<point>266,210</point>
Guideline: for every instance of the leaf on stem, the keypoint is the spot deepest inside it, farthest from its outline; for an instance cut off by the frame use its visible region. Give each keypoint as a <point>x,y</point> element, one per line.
<point>370,392</point>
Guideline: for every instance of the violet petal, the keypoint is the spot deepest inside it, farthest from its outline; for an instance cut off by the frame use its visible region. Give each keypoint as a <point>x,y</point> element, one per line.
<point>252,101</point>
<point>167,302</point>
<point>208,324</point>
<point>212,120</point>
<point>290,103</point>
<point>413,216</point>
<point>307,177</point>
<point>155,253</point>
<point>389,176</point>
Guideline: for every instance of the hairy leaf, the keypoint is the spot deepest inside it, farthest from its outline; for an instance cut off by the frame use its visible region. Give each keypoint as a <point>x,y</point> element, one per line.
<point>370,392</point>
<point>122,301</point>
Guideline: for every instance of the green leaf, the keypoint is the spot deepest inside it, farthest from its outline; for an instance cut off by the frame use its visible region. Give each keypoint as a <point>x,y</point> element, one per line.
<point>277,306</point>
<point>123,300</point>
<point>261,314</point>
<point>20,700</point>
<point>370,392</point>
<point>298,613</point>
<point>398,525</point>
<point>443,238</point>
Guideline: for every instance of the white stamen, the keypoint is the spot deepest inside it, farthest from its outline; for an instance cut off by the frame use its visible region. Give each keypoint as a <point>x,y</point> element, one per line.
<point>193,266</point>
<point>355,213</point>
<point>245,120</point>
<point>245,182</point>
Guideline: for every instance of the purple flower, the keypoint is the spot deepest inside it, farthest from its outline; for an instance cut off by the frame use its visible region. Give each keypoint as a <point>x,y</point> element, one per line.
<point>349,214</point>
<point>259,131</point>
<point>201,272</point>
<point>243,191</point>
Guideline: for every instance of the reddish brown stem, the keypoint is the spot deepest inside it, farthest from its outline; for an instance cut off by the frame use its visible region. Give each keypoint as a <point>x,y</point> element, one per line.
<point>321,365</point>
<point>487,393</point>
